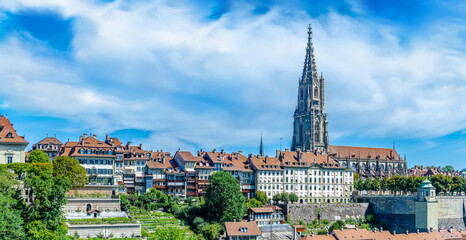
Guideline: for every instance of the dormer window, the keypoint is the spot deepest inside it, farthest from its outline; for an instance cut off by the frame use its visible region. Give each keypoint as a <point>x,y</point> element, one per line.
<point>9,135</point>
<point>243,229</point>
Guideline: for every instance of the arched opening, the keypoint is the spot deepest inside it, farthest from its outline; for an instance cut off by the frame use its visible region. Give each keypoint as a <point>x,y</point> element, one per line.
<point>88,207</point>
<point>301,201</point>
<point>328,200</point>
<point>316,92</point>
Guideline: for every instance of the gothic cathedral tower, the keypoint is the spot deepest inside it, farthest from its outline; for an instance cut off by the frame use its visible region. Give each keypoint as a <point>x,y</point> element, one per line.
<point>310,121</point>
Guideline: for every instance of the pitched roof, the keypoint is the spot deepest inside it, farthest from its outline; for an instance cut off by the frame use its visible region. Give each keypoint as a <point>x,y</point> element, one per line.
<point>363,234</point>
<point>265,163</point>
<point>8,133</point>
<point>234,161</point>
<point>250,229</point>
<point>294,158</point>
<point>364,152</point>
<point>49,140</point>
<point>319,237</point>
<point>266,209</point>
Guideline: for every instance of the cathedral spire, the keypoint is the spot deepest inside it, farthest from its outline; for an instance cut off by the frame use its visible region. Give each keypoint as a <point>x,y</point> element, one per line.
<point>261,148</point>
<point>310,68</point>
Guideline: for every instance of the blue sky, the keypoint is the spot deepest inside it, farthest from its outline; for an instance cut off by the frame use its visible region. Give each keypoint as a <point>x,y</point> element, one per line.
<point>217,74</point>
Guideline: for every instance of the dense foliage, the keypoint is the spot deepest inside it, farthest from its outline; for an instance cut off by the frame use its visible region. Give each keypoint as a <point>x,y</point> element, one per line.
<point>398,184</point>
<point>285,197</point>
<point>42,217</point>
<point>70,167</point>
<point>223,199</point>
<point>38,156</point>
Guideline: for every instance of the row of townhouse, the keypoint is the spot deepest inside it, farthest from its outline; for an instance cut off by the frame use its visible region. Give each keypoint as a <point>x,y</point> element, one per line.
<point>312,176</point>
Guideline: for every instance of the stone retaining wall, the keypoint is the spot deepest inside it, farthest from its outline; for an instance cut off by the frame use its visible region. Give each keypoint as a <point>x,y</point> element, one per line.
<point>101,204</point>
<point>105,230</point>
<point>331,211</point>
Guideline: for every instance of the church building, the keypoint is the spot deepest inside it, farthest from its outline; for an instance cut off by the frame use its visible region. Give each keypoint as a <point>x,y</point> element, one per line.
<point>310,128</point>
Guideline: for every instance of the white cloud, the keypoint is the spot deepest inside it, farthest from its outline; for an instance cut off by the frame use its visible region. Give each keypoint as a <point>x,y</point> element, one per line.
<point>163,67</point>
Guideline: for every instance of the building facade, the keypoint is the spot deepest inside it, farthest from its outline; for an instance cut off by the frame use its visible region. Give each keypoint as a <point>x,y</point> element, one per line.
<point>97,157</point>
<point>315,178</point>
<point>12,145</point>
<point>49,145</point>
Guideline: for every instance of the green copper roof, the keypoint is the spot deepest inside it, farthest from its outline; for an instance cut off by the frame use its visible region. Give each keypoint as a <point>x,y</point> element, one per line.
<point>426,184</point>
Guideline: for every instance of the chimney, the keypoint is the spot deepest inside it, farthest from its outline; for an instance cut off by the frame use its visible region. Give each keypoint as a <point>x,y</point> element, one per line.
<point>240,152</point>
<point>277,153</point>
<point>266,158</point>
<point>298,154</point>
<point>93,135</point>
<point>287,149</point>
<point>417,231</point>
<point>222,151</point>
<point>407,232</point>
<point>140,146</point>
<point>85,135</point>
<point>213,151</point>
<point>394,232</point>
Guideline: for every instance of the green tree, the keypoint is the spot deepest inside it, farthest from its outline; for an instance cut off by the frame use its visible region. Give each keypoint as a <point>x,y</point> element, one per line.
<point>223,198</point>
<point>262,196</point>
<point>441,183</point>
<point>293,197</point>
<point>253,203</point>
<point>285,197</point>
<point>337,225</point>
<point>45,214</point>
<point>448,168</point>
<point>125,204</point>
<point>11,223</point>
<point>38,156</point>
<point>211,231</point>
<point>70,168</point>
<point>276,198</point>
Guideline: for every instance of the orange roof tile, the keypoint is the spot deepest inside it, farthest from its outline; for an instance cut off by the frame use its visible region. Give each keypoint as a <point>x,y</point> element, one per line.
<point>8,133</point>
<point>49,140</point>
<point>364,152</point>
<point>250,229</point>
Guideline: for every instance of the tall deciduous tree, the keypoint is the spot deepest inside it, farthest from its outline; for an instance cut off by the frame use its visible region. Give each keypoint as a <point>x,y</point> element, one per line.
<point>44,215</point>
<point>70,168</point>
<point>38,156</point>
<point>223,199</point>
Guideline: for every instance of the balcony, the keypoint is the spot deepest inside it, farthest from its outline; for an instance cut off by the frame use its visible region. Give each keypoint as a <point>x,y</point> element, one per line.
<point>159,186</point>
<point>175,184</point>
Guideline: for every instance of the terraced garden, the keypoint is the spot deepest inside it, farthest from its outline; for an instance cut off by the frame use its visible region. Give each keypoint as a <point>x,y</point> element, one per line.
<point>151,221</point>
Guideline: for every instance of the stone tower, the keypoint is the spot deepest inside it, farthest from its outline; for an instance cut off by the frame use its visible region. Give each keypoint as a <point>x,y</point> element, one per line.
<point>310,121</point>
<point>426,207</point>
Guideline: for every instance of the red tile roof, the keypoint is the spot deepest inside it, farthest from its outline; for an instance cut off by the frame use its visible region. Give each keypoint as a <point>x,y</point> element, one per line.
<point>8,133</point>
<point>49,140</point>
<point>266,209</point>
<point>364,152</point>
<point>234,229</point>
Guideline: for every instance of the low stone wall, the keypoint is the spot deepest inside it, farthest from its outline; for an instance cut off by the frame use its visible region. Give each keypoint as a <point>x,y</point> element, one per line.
<point>331,211</point>
<point>101,204</point>
<point>93,189</point>
<point>105,230</point>
<point>452,212</point>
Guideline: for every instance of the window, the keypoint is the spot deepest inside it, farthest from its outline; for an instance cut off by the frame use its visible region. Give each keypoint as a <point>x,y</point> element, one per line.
<point>9,159</point>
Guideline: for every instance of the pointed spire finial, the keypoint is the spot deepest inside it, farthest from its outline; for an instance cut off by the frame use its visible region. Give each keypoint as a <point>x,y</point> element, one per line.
<point>261,148</point>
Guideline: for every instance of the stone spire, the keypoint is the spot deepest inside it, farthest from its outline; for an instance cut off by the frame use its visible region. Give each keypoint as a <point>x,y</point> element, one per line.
<point>261,148</point>
<point>310,68</point>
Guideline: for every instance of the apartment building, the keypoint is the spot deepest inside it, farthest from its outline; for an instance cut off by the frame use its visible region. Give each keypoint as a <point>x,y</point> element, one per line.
<point>266,215</point>
<point>49,145</point>
<point>237,165</point>
<point>312,176</point>
<point>97,157</point>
